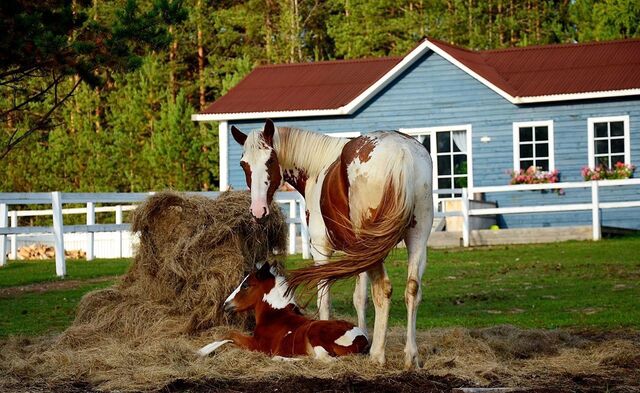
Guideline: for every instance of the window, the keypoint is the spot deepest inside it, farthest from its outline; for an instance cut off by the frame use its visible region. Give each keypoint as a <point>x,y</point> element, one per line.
<point>533,145</point>
<point>450,153</point>
<point>608,141</point>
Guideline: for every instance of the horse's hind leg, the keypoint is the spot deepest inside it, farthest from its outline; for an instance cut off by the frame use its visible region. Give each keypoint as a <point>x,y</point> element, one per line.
<point>416,241</point>
<point>360,300</point>
<point>381,293</point>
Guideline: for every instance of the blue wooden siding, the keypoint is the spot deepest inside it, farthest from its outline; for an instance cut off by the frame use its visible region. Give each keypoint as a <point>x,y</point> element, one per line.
<point>434,92</point>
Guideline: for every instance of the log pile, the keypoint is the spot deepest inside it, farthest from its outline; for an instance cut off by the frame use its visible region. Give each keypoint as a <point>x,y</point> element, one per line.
<point>42,251</point>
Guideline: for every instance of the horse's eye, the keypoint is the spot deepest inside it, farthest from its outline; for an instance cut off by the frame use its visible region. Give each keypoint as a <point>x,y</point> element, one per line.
<point>245,285</point>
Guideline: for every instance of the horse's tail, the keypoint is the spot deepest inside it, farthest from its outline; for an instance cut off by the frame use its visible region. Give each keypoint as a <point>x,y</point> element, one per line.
<point>377,235</point>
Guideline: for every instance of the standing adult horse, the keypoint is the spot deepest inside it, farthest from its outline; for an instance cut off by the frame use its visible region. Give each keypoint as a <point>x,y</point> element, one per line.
<point>363,196</point>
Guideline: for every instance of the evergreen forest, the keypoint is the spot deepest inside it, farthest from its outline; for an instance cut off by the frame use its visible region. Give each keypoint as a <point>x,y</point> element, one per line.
<point>97,95</point>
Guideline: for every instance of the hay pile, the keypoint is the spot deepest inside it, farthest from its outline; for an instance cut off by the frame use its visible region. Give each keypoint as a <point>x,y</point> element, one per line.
<point>193,252</point>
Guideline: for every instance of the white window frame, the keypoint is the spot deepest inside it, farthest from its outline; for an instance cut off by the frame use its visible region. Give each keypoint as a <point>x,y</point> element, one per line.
<point>516,141</point>
<point>591,135</point>
<point>431,131</point>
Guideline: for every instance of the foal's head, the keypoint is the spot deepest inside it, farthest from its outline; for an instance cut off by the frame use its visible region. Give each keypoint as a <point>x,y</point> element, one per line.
<point>261,167</point>
<point>262,285</point>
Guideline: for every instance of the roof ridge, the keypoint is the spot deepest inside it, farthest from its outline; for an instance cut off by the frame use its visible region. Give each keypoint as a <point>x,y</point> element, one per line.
<point>553,46</point>
<point>329,62</point>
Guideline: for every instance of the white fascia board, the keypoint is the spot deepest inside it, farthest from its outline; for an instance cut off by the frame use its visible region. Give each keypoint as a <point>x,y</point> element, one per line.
<point>578,96</point>
<point>265,115</point>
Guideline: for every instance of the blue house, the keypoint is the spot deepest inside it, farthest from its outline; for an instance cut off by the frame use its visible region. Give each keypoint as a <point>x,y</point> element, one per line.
<point>479,113</point>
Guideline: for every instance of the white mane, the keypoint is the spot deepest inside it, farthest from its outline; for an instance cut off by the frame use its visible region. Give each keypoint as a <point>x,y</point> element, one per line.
<point>305,149</point>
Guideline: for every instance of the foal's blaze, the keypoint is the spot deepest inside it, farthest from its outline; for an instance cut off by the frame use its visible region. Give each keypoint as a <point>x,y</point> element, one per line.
<point>261,167</point>
<point>281,329</point>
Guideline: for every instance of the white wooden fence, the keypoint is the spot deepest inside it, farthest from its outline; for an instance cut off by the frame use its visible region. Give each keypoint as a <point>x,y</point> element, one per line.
<point>294,201</point>
<point>296,212</point>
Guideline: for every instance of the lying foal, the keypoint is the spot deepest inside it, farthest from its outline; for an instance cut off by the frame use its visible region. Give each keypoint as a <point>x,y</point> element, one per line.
<point>281,329</point>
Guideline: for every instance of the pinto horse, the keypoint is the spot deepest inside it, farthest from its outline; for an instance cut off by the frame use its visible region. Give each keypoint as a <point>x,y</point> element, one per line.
<point>281,330</point>
<point>363,196</point>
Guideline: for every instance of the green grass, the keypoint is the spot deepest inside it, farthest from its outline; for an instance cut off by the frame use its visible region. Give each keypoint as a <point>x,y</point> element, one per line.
<point>17,273</point>
<point>585,285</point>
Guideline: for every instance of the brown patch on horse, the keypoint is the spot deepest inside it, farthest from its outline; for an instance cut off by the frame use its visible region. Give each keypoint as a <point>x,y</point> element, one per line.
<point>297,178</point>
<point>273,175</point>
<point>306,215</point>
<point>334,206</point>
<point>414,222</point>
<point>247,172</point>
<point>412,287</point>
<point>360,147</point>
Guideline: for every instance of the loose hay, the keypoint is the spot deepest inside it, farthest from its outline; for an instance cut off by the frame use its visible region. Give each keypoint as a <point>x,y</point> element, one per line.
<point>142,333</point>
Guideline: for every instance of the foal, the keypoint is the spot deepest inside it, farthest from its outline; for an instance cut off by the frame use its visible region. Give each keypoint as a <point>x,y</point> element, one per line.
<point>281,329</point>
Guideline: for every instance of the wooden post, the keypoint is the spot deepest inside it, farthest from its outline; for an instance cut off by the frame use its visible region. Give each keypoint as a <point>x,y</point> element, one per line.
<point>14,237</point>
<point>58,233</point>
<point>91,220</point>
<point>466,232</point>
<point>292,227</point>
<point>595,210</point>
<point>3,238</point>
<point>304,230</point>
<point>119,221</point>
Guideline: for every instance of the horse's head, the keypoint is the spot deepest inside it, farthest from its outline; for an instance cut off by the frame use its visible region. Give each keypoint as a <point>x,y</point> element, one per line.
<point>262,285</point>
<point>261,167</point>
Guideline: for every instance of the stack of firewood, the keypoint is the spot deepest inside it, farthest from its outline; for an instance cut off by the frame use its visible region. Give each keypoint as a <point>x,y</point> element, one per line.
<point>42,251</point>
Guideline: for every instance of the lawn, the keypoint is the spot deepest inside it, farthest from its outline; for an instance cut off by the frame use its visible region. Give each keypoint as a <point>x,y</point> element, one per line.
<point>582,285</point>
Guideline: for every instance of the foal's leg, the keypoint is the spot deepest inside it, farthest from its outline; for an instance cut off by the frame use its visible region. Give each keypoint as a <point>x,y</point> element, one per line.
<point>416,241</point>
<point>360,300</point>
<point>381,293</point>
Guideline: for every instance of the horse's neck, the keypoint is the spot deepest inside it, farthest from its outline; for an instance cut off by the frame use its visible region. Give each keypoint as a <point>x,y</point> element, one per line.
<point>267,315</point>
<point>304,150</point>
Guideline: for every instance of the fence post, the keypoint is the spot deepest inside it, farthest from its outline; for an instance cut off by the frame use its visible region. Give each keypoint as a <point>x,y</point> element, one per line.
<point>3,238</point>
<point>58,233</point>
<point>91,220</point>
<point>292,227</point>
<point>595,210</point>
<point>465,218</point>
<point>14,237</point>
<point>304,229</point>
<point>119,221</point>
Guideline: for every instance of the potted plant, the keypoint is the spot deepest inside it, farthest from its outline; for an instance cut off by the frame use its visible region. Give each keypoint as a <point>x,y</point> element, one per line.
<point>619,171</point>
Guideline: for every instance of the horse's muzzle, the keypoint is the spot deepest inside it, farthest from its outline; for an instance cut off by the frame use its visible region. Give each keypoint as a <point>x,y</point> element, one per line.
<point>229,307</point>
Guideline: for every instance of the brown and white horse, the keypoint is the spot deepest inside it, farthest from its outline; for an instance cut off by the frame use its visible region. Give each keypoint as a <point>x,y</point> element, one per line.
<point>363,196</point>
<point>281,330</point>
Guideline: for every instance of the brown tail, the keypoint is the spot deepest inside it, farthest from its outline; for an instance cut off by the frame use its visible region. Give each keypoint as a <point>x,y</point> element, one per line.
<point>373,242</point>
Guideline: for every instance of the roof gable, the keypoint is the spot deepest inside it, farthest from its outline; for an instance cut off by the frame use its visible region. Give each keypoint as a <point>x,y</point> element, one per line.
<point>520,75</point>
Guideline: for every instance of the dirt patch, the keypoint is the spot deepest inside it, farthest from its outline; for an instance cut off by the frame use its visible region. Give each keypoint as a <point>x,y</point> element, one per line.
<point>52,286</point>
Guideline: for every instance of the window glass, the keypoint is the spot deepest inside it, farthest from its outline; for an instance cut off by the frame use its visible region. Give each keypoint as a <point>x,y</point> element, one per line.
<point>608,143</point>
<point>534,149</point>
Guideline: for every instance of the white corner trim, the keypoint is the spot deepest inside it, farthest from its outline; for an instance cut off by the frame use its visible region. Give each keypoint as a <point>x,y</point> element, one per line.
<point>577,96</point>
<point>516,141</point>
<point>591,137</point>
<point>223,164</point>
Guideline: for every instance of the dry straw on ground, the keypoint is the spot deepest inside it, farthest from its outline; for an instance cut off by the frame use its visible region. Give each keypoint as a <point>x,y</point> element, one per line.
<point>142,333</point>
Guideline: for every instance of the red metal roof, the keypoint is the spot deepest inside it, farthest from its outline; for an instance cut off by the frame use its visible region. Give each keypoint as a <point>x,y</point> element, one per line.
<point>303,86</point>
<point>519,72</point>
<point>556,69</point>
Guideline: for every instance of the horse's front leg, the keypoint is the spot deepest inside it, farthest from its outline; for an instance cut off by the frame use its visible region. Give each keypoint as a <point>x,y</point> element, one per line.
<point>360,300</point>
<point>241,340</point>
<point>321,253</point>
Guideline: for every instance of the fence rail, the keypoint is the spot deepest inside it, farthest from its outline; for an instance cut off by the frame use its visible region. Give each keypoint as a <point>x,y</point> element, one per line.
<point>296,211</point>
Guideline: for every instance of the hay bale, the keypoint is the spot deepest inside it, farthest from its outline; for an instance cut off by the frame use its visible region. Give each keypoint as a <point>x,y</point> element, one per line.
<point>193,252</point>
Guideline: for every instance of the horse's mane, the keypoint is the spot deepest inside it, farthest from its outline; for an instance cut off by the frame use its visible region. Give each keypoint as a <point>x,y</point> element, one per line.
<point>306,149</point>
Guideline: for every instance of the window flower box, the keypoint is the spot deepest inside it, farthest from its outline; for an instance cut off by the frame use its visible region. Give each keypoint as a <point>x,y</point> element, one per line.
<point>534,175</point>
<point>619,171</point>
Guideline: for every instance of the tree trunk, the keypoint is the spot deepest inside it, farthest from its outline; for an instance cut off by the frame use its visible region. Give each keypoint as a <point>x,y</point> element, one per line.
<point>172,74</point>
<point>201,83</point>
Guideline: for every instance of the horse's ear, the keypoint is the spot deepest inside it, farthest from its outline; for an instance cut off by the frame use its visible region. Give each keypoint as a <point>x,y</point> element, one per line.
<point>238,135</point>
<point>269,130</point>
<point>264,271</point>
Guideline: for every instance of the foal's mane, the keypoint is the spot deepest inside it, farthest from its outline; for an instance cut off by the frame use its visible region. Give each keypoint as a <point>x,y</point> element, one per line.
<point>306,149</point>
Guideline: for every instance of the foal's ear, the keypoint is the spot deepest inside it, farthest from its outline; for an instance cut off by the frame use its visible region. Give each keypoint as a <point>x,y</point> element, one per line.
<point>264,271</point>
<point>238,135</point>
<point>269,130</point>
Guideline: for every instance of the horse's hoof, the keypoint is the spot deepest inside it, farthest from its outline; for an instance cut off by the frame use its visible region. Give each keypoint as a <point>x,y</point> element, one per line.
<point>378,358</point>
<point>413,362</point>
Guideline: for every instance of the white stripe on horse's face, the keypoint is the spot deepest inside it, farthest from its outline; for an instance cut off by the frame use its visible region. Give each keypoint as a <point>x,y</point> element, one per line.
<point>265,173</point>
<point>235,292</point>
